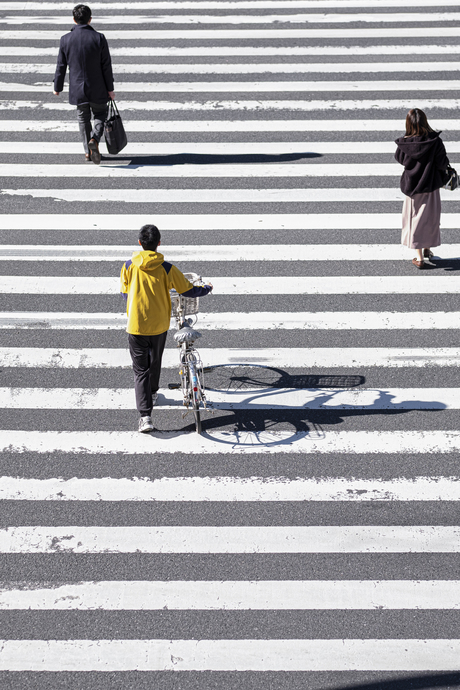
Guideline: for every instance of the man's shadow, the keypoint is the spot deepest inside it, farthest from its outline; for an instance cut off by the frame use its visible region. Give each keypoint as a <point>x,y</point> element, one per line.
<point>209,159</point>
<point>422,681</point>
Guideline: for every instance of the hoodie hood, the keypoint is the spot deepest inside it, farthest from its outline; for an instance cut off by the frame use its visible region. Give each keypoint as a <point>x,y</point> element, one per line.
<point>147,260</point>
<point>418,148</point>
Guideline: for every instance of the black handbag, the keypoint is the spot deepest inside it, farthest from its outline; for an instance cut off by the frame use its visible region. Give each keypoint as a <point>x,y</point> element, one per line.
<point>450,179</point>
<point>114,132</point>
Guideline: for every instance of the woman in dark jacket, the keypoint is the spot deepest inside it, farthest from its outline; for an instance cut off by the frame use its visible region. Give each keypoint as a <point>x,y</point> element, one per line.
<point>423,155</point>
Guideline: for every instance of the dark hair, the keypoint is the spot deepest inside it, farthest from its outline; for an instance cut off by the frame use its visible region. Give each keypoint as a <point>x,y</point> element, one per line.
<point>150,237</point>
<point>416,123</point>
<point>81,14</point>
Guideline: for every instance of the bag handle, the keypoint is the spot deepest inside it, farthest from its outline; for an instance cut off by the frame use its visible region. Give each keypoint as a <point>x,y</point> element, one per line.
<point>113,108</point>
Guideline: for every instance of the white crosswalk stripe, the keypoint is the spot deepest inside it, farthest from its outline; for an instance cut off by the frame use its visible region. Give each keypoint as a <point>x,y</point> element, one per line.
<point>259,595</point>
<point>291,357</point>
<point>239,34</point>
<point>309,529</point>
<point>235,148</point>
<point>245,442</point>
<point>231,68</point>
<point>217,51</point>
<point>242,170</point>
<point>255,399</point>
<point>224,252</point>
<point>231,18</point>
<point>260,105</point>
<point>247,285</point>
<point>260,86</point>
<point>228,489</point>
<point>230,539</point>
<point>231,655</point>
<point>235,321</point>
<point>221,4</point>
<point>230,125</point>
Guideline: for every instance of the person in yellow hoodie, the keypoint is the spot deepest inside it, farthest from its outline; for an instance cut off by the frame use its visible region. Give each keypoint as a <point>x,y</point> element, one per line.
<point>145,283</point>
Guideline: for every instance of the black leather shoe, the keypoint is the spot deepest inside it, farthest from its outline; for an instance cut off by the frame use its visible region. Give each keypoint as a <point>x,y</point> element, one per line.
<point>94,151</point>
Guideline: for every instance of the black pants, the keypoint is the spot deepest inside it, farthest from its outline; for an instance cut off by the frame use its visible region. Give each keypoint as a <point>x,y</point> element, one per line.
<point>146,352</point>
<point>84,122</point>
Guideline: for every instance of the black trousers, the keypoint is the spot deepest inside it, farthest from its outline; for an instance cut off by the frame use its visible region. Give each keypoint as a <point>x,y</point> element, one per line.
<point>146,352</point>
<point>84,122</point>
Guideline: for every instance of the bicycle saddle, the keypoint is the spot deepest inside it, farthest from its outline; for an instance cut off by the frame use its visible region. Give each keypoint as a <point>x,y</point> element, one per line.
<point>186,335</point>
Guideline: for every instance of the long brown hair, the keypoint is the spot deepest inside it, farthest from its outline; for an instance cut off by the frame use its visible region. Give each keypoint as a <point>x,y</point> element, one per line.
<point>417,123</point>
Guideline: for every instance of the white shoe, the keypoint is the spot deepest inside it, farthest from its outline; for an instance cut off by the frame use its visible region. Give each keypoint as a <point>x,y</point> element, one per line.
<point>154,399</point>
<point>145,425</point>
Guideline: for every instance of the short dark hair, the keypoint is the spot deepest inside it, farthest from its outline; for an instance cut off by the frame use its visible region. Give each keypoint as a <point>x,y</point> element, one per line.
<point>417,123</point>
<point>150,237</point>
<point>81,14</point>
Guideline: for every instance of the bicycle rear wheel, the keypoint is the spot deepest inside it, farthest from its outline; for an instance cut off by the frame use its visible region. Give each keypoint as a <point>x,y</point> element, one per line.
<point>197,415</point>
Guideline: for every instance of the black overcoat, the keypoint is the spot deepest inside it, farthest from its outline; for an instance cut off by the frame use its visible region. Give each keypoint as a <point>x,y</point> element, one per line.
<point>86,53</point>
<point>424,159</point>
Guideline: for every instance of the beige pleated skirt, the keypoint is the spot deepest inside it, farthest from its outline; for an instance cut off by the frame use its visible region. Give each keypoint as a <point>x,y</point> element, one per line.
<point>421,217</point>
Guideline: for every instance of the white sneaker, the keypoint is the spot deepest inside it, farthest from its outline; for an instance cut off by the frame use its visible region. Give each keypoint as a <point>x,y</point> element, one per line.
<point>154,399</point>
<point>145,425</point>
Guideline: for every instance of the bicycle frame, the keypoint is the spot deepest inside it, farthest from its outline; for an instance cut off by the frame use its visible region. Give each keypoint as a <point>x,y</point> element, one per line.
<point>191,367</point>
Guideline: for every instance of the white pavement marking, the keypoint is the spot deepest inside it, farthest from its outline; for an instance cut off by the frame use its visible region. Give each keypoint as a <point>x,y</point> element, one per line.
<point>255,51</point>
<point>221,4</point>
<point>260,105</point>
<point>215,221</point>
<point>227,196</point>
<point>295,357</point>
<point>298,87</point>
<point>151,195</point>
<point>230,655</point>
<point>260,595</point>
<point>185,539</point>
<point>245,285</point>
<point>235,321</point>
<point>240,34</point>
<point>222,252</point>
<point>262,398</point>
<point>418,442</point>
<point>267,148</point>
<point>224,488</point>
<point>232,18</point>
<point>259,126</point>
<point>248,68</point>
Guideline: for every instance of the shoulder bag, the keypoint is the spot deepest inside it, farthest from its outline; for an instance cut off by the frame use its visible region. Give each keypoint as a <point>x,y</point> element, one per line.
<point>450,178</point>
<point>114,132</point>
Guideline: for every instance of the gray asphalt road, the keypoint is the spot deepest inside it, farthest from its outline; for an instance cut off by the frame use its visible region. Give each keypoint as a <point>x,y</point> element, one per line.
<point>73,465</point>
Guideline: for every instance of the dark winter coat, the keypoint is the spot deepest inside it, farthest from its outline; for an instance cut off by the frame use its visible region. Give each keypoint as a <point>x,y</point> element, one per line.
<point>86,53</point>
<point>424,159</point>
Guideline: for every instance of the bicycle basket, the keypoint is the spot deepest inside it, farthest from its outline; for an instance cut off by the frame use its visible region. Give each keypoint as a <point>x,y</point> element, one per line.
<point>190,305</point>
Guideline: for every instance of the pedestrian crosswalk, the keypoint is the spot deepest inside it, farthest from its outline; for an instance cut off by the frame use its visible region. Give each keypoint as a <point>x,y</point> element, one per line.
<point>309,537</point>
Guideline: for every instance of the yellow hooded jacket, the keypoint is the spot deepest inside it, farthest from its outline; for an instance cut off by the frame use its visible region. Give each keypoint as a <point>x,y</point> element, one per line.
<point>145,283</point>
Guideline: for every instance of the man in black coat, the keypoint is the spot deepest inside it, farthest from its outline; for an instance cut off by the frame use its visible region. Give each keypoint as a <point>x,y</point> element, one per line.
<point>86,53</point>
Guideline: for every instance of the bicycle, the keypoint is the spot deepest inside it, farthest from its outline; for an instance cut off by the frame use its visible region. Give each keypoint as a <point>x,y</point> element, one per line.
<point>191,367</point>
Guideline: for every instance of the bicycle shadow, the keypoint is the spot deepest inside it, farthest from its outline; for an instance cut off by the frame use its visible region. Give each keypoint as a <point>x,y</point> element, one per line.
<point>322,409</point>
<point>209,159</point>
